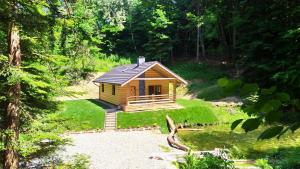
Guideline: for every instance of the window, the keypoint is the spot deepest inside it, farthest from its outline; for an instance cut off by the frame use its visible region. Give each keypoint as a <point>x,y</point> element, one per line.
<point>102,87</point>
<point>113,91</point>
<point>154,89</point>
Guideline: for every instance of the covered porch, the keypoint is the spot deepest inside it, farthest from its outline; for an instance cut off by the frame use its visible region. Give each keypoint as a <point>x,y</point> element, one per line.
<point>147,94</point>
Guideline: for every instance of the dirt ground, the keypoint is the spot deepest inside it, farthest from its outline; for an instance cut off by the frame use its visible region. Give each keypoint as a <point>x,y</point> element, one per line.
<point>85,89</point>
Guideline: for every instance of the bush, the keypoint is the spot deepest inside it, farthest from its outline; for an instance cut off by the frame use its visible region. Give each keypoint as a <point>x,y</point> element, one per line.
<point>78,161</point>
<point>207,162</point>
<point>237,153</point>
<point>263,164</point>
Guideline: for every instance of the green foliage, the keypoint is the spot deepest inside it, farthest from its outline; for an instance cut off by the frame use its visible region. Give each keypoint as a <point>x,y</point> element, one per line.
<point>280,153</point>
<point>207,162</point>
<point>158,46</point>
<point>263,164</point>
<point>267,105</point>
<point>78,161</point>
<point>237,152</point>
<point>236,123</point>
<point>271,132</point>
<point>251,124</point>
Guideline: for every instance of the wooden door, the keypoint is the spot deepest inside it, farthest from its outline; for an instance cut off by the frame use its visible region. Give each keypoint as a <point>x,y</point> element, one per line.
<point>132,91</point>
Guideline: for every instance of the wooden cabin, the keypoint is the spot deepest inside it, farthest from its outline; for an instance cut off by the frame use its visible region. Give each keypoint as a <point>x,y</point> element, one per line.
<point>139,87</point>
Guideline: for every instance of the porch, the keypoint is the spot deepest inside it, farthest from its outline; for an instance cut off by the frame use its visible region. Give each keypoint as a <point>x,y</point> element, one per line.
<point>151,102</point>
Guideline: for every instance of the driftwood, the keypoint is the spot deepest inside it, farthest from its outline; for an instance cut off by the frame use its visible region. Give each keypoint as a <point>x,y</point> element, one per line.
<point>171,136</point>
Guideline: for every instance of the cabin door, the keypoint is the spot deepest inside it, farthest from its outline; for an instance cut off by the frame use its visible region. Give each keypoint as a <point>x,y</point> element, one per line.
<point>132,91</point>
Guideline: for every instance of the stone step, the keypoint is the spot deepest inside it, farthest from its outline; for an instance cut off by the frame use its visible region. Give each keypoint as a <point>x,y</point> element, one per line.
<point>113,126</point>
<point>110,122</point>
<point>110,117</point>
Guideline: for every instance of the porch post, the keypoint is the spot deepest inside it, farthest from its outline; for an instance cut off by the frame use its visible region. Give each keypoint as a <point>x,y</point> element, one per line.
<point>174,90</point>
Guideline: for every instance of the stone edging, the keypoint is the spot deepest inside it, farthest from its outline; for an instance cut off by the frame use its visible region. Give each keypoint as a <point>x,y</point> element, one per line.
<point>85,131</point>
<point>120,129</point>
<point>139,128</point>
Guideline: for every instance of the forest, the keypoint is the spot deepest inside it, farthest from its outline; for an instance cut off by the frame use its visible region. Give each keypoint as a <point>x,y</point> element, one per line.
<point>48,45</point>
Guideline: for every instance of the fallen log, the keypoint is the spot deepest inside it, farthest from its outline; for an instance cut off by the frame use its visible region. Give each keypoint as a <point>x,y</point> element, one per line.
<point>171,136</point>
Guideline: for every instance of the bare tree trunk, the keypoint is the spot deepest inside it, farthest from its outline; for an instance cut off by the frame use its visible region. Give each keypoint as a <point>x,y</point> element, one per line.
<point>132,38</point>
<point>197,45</point>
<point>202,43</point>
<point>11,159</point>
<point>224,39</point>
<point>234,30</point>
<point>198,38</point>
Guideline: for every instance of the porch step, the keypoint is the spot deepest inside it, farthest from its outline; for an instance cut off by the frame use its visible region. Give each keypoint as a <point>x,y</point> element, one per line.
<point>110,121</point>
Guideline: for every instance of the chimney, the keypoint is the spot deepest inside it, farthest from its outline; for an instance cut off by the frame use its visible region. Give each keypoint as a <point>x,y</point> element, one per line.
<point>140,60</point>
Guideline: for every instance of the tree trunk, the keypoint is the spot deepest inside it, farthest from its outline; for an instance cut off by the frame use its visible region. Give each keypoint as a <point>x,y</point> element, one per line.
<point>11,159</point>
<point>202,43</point>
<point>224,39</point>
<point>200,39</point>
<point>132,37</point>
<point>197,45</point>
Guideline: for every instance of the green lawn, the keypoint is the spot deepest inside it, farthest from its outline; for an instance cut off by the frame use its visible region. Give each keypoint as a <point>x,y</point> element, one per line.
<point>203,80</point>
<point>245,145</point>
<point>77,115</point>
<point>195,112</point>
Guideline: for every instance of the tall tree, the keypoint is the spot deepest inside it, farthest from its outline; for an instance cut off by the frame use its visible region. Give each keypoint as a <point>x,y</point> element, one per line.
<point>13,77</point>
<point>14,91</point>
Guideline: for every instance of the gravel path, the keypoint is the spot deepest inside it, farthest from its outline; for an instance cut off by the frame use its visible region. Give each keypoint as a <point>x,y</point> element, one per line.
<point>122,150</point>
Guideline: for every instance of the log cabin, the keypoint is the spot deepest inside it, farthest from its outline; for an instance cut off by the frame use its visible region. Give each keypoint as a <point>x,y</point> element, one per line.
<point>139,87</point>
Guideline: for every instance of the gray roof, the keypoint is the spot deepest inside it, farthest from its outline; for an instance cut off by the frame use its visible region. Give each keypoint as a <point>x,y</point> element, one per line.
<point>122,74</point>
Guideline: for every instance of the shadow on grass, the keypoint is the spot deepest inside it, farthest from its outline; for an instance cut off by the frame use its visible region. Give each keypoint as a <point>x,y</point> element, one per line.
<point>98,103</point>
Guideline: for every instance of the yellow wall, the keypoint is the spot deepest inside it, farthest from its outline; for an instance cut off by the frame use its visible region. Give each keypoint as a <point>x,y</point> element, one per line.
<point>107,94</point>
<point>152,73</point>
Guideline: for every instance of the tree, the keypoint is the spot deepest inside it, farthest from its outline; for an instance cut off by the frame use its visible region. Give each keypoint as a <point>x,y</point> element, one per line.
<point>16,75</point>
<point>159,43</point>
<point>14,91</point>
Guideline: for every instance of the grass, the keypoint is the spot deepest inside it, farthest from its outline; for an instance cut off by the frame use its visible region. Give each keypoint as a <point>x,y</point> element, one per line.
<point>203,80</point>
<point>195,112</point>
<point>106,63</point>
<point>244,145</point>
<point>77,115</point>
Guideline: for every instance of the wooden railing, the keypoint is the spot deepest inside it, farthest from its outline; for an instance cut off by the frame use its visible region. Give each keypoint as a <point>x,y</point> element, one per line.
<point>149,99</point>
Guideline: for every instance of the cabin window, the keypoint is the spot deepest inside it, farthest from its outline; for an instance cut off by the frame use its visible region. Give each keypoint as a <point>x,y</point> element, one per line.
<point>113,91</point>
<point>155,89</point>
<point>102,87</point>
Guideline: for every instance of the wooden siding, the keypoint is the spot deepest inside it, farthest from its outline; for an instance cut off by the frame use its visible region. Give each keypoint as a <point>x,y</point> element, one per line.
<point>107,94</point>
<point>123,92</point>
<point>152,73</point>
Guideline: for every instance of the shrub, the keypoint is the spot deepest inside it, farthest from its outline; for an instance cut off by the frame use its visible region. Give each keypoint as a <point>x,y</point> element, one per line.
<point>237,153</point>
<point>263,164</point>
<point>208,161</point>
<point>78,161</point>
